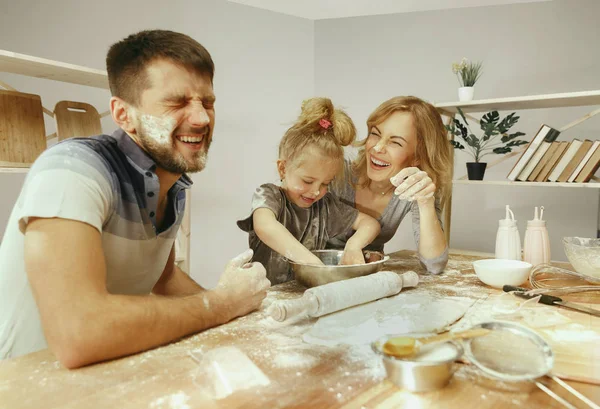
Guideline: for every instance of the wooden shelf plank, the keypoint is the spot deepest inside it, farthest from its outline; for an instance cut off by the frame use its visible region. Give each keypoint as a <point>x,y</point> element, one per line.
<point>53,70</point>
<point>589,185</point>
<point>569,99</point>
<point>14,170</point>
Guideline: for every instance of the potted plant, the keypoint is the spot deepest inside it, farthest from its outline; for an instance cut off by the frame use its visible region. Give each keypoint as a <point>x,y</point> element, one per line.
<point>467,73</point>
<point>495,139</point>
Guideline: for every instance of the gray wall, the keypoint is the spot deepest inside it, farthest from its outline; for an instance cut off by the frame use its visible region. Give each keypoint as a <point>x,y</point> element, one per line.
<point>526,49</point>
<point>264,69</point>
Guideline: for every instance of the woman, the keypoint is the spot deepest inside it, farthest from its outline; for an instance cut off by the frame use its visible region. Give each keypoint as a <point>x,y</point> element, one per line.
<point>404,166</point>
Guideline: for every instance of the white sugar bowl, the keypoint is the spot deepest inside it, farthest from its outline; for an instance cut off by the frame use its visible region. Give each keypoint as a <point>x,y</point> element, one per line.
<point>497,272</point>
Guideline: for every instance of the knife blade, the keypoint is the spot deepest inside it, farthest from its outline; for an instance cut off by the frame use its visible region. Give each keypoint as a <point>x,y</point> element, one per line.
<point>550,300</point>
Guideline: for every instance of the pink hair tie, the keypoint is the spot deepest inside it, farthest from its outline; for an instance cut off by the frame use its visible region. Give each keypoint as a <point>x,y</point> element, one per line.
<point>325,124</point>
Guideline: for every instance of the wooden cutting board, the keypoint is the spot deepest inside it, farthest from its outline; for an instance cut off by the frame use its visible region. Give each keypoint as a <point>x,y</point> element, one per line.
<point>22,130</point>
<point>75,119</point>
<point>576,346</point>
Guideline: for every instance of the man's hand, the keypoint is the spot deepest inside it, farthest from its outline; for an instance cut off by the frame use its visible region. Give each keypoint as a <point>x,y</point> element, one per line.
<point>243,285</point>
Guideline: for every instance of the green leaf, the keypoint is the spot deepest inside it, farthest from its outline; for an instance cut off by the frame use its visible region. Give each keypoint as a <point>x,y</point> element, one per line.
<point>502,150</point>
<point>471,73</point>
<point>462,115</point>
<point>509,137</point>
<point>457,145</point>
<point>489,133</point>
<point>490,118</point>
<point>454,130</point>
<point>463,132</point>
<point>488,124</point>
<point>508,122</point>
<point>517,143</point>
<point>473,141</point>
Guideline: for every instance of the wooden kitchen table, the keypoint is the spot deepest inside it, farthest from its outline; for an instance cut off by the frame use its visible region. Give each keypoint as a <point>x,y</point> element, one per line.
<point>301,375</point>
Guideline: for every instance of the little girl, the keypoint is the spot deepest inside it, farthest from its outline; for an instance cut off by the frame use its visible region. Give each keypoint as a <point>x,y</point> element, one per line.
<point>290,220</point>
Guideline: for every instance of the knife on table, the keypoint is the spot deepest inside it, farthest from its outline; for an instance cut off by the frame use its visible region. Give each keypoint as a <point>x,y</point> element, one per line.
<point>550,300</point>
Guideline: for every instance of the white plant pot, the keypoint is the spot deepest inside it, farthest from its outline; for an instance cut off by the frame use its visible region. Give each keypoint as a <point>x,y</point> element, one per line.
<point>465,93</point>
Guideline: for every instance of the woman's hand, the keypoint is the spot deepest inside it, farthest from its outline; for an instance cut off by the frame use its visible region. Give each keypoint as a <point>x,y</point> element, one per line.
<point>414,184</point>
<point>352,256</point>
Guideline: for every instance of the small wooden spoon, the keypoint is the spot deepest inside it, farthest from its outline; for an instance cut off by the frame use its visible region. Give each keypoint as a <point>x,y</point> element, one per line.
<point>402,347</point>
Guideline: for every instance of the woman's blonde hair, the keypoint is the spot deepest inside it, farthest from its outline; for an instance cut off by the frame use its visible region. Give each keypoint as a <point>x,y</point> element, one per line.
<point>321,126</point>
<point>433,149</point>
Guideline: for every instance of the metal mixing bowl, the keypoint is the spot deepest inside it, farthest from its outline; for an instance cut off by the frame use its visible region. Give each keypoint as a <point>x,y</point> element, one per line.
<point>584,255</point>
<point>312,275</point>
<point>419,375</point>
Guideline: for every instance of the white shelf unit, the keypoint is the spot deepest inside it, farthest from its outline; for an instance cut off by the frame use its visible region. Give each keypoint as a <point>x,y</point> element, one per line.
<point>560,100</point>
<point>52,70</point>
<point>590,185</point>
<point>13,170</point>
<point>75,74</point>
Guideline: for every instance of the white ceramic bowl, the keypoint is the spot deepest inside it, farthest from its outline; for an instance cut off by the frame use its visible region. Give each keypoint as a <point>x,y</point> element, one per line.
<point>497,272</point>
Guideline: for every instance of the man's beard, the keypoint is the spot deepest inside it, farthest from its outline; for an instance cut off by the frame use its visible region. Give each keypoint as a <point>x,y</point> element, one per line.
<point>167,157</point>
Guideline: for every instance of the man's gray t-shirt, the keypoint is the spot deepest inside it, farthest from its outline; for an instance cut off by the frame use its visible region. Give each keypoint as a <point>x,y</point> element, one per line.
<point>312,226</point>
<point>109,183</point>
<point>389,220</point>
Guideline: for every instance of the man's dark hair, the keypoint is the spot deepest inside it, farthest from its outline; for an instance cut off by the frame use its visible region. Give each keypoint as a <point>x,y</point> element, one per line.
<point>127,60</point>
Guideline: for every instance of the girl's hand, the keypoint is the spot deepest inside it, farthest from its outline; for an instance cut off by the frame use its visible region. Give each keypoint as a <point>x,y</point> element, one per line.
<point>352,256</point>
<point>414,184</point>
<point>305,259</point>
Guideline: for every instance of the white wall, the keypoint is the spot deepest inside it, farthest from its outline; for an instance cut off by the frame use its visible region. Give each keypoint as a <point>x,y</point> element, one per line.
<point>264,69</point>
<point>527,49</point>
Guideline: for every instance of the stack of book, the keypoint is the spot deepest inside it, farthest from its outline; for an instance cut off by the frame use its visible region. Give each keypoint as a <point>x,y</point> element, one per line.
<point>547,160</point>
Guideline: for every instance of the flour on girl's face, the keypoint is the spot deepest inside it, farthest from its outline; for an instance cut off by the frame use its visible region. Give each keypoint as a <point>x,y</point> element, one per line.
<point>159,128</point>
<point>305,181</point>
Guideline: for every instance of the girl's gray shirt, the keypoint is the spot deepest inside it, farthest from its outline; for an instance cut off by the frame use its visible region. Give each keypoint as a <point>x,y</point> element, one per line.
<point>312,226</point>
<point>390,219</point>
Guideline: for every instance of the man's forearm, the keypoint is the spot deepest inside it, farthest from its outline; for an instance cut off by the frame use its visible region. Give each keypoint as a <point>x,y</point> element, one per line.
<point>111,326</point>
<point>177,283</point>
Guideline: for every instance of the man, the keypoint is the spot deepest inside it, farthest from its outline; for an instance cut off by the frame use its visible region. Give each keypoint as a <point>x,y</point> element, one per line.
<point>92,233</point>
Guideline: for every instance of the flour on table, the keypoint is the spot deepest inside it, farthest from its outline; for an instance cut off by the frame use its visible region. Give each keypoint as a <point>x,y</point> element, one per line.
<point>175,401</point>
<point>403,313</point>
<point>294,359</point>
<point>229,370</point>
<point>574,333</point>
<point>509,308</point>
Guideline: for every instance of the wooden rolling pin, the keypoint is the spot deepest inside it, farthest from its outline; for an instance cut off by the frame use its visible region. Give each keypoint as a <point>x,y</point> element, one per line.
<point>332,297</point>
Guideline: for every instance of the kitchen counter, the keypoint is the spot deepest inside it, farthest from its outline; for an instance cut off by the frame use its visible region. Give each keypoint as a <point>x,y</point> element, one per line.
<point>300,374</point>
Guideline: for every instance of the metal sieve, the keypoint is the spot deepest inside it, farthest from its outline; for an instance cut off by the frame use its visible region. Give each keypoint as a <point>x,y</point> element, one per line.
<point>512,352</point>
